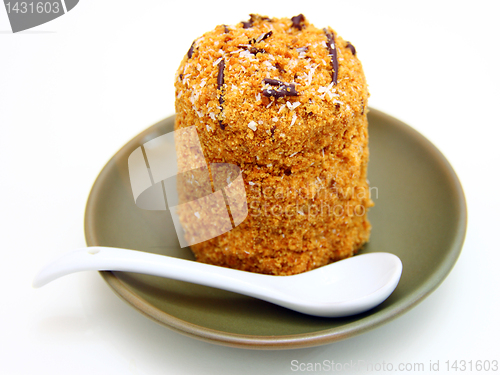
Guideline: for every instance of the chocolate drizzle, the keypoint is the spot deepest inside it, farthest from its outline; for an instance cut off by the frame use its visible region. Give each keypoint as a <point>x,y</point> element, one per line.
<point>282,88</point>
<point>298,21</point>
<point>190,51</point>
<point>332,52</point>
<point>220,74</point>
<point>351,48</point>
<point>220,83</point>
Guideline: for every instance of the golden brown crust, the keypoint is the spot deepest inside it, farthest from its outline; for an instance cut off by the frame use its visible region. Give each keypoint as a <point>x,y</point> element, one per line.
<point>295,152</point>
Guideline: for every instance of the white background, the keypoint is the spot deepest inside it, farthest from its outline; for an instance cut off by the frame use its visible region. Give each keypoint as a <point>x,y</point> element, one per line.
<point>74,90</point>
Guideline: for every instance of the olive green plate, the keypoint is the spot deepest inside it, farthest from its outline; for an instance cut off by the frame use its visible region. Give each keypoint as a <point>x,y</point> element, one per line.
<point>420,215</point>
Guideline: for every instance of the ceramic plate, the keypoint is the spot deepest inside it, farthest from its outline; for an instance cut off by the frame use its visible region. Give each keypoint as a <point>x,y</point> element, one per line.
<point>419,215</point>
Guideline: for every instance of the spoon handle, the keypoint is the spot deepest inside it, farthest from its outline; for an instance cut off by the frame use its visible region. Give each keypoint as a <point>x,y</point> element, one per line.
<point>114,259</point>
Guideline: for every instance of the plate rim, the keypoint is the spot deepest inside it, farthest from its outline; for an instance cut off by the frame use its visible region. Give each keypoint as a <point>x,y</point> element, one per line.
<point>302,340</point>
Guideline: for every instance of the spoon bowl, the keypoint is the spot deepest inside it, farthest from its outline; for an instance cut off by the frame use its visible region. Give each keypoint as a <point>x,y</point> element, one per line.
<point>343,288</point>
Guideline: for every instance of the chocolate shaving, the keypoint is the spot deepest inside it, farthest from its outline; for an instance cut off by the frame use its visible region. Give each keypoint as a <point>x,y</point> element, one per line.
<point>273,82</point>
<point>181,76</point>
<point>251,49</point>
<point>255,51</point>
<point>273,129</point>
<point>262,37</point>
<point>298,21</point>
<point>332,52</point>
<point>279,67</point>
<point>254,18</point>
<point>282,89</point>
<point>220,83</point>
<point>190,51</point>
<point>226,30</point>
<point>281,92</point>
<point>351,47</point>
<point>247,24</point>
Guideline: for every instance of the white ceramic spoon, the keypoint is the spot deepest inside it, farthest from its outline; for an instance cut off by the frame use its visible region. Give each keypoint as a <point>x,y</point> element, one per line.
<point>343,288</point>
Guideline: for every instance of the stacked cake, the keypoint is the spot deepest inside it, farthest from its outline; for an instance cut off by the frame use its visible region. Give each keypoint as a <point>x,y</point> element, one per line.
<point>286,102</point>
